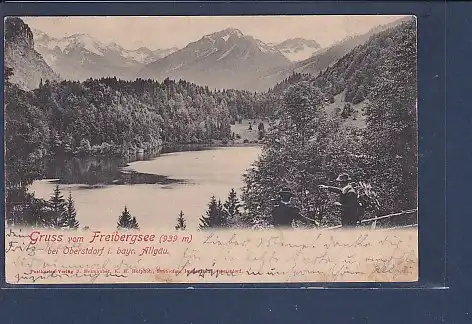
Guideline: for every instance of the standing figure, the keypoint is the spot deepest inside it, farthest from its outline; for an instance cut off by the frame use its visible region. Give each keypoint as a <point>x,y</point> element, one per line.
<point>284,213</point>
<point>350,208</point>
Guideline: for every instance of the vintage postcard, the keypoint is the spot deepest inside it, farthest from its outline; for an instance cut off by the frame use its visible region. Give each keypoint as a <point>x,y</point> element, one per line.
<point>222,149</point>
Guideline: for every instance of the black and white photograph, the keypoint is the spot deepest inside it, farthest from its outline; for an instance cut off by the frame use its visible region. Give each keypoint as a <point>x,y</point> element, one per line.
<point>200,124</point>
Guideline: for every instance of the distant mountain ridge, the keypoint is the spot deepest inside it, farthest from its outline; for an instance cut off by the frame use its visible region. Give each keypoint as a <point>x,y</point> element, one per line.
<point>298,49</point>
<point>80,56</point>
<point>326,57</point>
<point>329,55</point>
<point>235,60</point>
<point>225,59</point>
<point>348,83</point>
<point>28,66</point>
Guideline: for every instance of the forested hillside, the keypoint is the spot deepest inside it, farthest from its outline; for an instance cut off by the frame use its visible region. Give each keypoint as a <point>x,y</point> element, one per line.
<point>357,72</point>
<point>349,82</point>
<point>327,57</point>
<point>307,146</point>
<point>109,116</point>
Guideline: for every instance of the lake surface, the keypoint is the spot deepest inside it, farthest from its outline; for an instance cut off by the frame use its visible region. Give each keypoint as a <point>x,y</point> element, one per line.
<point>154,189</point>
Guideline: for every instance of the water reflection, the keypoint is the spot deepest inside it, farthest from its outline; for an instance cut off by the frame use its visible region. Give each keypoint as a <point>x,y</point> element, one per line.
<point>102,186</point>
<point>98,171</point>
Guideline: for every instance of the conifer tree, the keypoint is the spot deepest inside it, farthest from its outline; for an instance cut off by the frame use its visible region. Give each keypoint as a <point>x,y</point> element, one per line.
<point>126,221</point>
<point>181,222</point>
<point>70,216</point>
<point>231,207</point>
<point>57,207</point>
<point>214,217</point>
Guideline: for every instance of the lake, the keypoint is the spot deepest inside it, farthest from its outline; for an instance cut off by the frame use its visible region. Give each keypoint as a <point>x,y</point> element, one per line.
<point>154,189</point>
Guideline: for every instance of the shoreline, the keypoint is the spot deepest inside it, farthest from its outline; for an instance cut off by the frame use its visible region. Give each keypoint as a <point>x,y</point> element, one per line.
<point>201,147</point>
<point>124,161</point>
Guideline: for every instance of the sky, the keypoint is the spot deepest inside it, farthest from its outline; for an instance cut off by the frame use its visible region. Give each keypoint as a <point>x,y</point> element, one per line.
<point>161,32</point>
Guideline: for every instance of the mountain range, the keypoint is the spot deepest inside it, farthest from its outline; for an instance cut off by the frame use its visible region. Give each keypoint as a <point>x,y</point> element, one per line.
<point>80,56</point>
<point>326,57</point>
<point>235,60</point>
<point>221,60</point>
<point>225,59</point>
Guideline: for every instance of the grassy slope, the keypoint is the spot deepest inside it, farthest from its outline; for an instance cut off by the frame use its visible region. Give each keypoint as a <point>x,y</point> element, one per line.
<point>243,130</point>
<point>357,120</point>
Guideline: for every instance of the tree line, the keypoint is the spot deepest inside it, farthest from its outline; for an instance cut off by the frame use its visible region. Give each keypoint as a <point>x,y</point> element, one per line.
<point>108,115</point>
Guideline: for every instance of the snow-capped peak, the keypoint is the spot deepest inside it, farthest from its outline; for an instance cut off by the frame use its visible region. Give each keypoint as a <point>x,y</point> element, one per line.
<point>299,41</point>
<point>52,48</point>
<point>225,34</point>
<point>265,48</point>
<point>115,47</point>
<point>298,49</point>
<point>233,32</point>
<point>87,42</point>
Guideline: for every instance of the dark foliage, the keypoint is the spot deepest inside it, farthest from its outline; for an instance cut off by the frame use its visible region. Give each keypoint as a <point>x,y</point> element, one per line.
<point>306,147</point>
<point>69,220</point>
<point>232,207</point>
<point>181,222</point>
<point>126,221</point>
<point>57,208</point>
<point>216,216</point>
